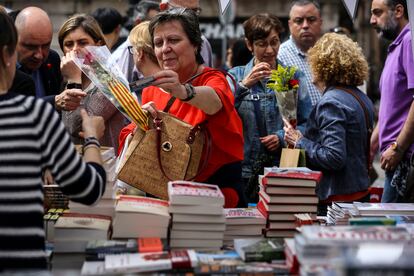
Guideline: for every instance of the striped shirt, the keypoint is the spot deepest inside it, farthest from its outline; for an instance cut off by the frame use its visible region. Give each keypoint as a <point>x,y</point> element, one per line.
<point>32,138</point>
<point>289,54</point>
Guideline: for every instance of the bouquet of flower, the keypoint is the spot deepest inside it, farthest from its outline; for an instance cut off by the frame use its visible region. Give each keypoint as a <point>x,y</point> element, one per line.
<point>97,64</point>
<point>283,82</point>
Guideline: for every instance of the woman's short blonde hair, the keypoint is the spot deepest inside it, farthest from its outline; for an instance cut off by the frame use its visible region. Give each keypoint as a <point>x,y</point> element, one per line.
<point>336,59</point>
<point>140,38</point>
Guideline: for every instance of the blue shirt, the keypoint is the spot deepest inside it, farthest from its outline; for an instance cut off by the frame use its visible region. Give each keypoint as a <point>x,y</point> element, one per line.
<point>335,142</point>
<point>271,118</point>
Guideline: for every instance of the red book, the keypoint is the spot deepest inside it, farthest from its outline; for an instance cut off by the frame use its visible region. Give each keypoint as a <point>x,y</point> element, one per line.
<point>291,177</point>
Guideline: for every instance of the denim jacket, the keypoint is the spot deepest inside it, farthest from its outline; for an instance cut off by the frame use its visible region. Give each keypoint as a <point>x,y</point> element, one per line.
<point>335,142</point>
<point>269,113</point>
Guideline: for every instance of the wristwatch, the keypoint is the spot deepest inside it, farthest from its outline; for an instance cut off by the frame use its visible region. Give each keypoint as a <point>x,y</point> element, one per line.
<point>394,147</point>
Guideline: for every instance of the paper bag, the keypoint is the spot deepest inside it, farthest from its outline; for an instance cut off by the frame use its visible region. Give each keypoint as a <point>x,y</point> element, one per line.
<point>292,158</point>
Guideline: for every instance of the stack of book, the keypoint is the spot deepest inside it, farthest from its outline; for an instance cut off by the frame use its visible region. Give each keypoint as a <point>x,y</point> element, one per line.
<point>198,220</point>
<point>243,223</point>
<point>73,231</point>
<point>284,192</point>
<point>105,206</point>
<point>339,213</point>
<point>137,216</point>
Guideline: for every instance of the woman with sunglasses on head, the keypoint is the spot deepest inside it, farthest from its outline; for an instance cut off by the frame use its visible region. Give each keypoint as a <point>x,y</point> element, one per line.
<point>75,34</point>
<point>176,41</point>
<point>257,105</point>
<point>33,139</point>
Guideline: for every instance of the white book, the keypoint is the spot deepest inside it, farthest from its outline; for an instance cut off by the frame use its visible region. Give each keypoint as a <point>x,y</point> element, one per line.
<point>193,193</point>
<point>147,262</point>
<point>198,218</point>
<point>243,216</point>
<point>202,235</point>
<point>246,231</point>
<point>191,243</point>
<point>196,209</point>
<point>199,226</point>
<point>139,230</point>
<point>93,268</point>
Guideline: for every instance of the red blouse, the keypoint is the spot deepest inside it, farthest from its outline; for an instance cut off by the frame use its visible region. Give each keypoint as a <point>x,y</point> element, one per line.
<point>225,126</point>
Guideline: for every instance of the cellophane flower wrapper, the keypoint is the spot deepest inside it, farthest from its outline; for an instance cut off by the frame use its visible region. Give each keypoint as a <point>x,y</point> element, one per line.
<point>98,65</point>
<point>282,81</point>
<point>287,102</point>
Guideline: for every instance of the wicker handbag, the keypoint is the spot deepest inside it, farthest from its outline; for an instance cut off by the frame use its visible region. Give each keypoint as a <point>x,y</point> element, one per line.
<point>171,150</point>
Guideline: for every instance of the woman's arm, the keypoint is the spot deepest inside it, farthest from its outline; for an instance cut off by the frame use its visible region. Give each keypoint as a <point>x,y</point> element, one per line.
<point>329,151</point>
<point>82,182</point>
<point>202,97</point>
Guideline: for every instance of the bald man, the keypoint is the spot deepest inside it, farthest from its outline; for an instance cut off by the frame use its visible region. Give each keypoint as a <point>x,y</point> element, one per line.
<point>34,56</point>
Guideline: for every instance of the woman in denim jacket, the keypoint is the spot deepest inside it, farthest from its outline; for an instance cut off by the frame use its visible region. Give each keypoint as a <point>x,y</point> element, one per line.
<point>256,104</point>
<point>336,139</point>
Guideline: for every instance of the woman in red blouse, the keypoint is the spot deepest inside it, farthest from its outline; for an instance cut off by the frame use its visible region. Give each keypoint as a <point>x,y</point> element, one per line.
<point>176,41</point>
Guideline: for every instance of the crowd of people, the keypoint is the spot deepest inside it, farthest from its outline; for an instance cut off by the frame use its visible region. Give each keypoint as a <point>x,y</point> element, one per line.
<point>47,104</point>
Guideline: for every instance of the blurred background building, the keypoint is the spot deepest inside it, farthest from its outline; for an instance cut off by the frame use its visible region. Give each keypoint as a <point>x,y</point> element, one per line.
<point>223,31</point>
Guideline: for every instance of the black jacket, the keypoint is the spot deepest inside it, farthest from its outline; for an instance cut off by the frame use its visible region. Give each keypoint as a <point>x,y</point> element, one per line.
<point>51,77</point>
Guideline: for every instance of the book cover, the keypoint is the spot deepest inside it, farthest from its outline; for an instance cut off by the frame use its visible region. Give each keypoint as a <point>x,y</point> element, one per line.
<point>260,250</point>
<point>366,209</point>
<point>278,233</point>
<point>191,193</point>
<point>71,227</point>
<point>96,250</point>
<point>140,204</point>
<point>320,234</point>
<point>146,262</point>
<point>301,177</point>
<point>289,198</point>
<point>244,216</point>
<point>83,221</point>
<point>275,216</point>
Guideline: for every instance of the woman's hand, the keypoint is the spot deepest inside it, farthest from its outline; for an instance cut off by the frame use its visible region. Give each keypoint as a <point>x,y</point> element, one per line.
<point>93,126</point>
<point>169,81</point>
<point>70,71</point>
<point>271,142</point>
<point>69,99</point>
<point>292,136</point>
<point>260,71</point>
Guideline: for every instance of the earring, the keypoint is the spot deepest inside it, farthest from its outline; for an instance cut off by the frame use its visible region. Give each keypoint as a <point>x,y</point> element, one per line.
<point>8,64</point>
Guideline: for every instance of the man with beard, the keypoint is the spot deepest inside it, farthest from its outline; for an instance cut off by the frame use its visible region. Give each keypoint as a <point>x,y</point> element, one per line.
<point>305,26</point>
<point>394,133</point>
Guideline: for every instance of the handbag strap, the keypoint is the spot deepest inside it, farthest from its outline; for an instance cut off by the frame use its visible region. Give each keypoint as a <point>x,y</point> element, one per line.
<point>367,124</point>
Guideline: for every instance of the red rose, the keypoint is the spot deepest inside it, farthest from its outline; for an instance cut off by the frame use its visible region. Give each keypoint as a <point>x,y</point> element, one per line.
<point>293,83</point>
